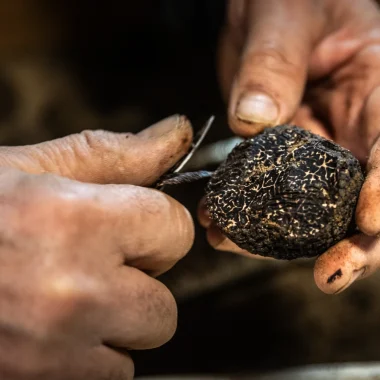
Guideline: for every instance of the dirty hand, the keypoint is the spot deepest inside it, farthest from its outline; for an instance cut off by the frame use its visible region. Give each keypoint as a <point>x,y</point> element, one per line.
<point>78,256</point>
<point>316,64</point>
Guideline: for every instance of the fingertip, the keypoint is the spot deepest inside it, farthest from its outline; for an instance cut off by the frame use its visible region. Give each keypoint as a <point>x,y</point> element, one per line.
<point>331,278</point>
<point>221,243</point>
<point>203,214</point>
<point>174,133</point>
<point>370,127</point>
<point>172,124</point>
<point>257,108</point>
<point>253,112</point>
<point>215,237</point>
<point>245,129</point>
<point>158,149</point>
<point>340,267</point>
<point>367,214</point>
<point>172,138</point>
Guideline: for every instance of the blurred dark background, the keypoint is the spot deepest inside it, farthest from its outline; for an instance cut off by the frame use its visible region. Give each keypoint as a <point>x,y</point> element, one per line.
<point>66,66</point>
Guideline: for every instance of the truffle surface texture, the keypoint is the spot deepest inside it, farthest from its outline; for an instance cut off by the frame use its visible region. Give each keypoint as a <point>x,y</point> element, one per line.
<point>285,193</point>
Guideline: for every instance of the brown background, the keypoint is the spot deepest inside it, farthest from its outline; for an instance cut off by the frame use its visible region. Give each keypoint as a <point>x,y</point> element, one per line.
<point>66,66</point>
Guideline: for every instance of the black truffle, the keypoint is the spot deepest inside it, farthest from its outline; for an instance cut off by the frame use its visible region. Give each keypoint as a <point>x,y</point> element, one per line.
<point>285,193</point>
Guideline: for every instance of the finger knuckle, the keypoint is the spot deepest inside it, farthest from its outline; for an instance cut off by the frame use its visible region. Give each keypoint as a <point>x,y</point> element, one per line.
<point>272,58</point>
<point>64,297</point>
<point>101,141</point>
<point>26,190</point>
<point>18,204</point>
<point>42,207</point>
<point>95,139</point>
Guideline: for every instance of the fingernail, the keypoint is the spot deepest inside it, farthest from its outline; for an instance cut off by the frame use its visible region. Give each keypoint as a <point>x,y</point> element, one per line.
<point>220,242</point>
<point>165,126</point>
<point>227,245</point>
<point>257,108</point>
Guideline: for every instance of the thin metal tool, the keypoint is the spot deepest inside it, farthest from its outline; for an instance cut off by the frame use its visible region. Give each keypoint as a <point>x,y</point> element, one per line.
<point>213,154</point>
<point>198,141</point>
<point>174,177</point>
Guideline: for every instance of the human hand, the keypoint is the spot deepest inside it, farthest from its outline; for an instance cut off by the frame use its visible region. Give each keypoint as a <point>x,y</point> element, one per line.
<point>78,256</point>
<point>315,64</point>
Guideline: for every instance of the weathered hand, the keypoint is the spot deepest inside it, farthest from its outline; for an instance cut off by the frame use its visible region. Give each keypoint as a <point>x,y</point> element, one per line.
<point>78,256</point>
<point>316,64</point>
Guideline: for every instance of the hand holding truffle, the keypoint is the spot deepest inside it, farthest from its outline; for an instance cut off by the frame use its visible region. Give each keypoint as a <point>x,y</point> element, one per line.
<point>358,256</point>
<point>314,64</point>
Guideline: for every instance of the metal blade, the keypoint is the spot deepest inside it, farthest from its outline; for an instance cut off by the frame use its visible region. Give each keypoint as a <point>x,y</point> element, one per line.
<point>198,140</point>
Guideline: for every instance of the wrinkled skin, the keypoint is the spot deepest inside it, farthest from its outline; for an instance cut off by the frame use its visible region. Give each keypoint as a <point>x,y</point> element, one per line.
<point>315,63</point>
<point>78,257</point>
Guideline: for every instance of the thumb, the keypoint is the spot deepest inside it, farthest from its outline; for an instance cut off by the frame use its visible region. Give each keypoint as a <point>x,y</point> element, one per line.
<point>271,78</point>
<point>107,157</point>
